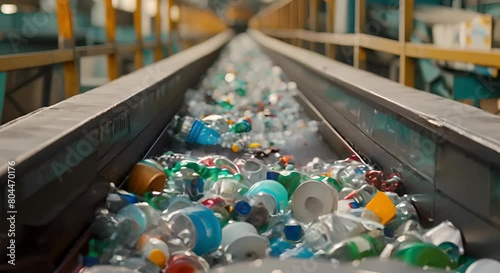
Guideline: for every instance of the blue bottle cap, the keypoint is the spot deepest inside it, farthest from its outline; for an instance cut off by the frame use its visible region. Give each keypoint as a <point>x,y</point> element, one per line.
<point>129,197</point>
<point>272,175</point>
<point>243,208</point>
<point>293,232</point>
<point>305,254</point>
<point>89,261</point>
<point>354,205</point>
<point>195,131</point>
<point>208,229</point>
<point>279,247</point>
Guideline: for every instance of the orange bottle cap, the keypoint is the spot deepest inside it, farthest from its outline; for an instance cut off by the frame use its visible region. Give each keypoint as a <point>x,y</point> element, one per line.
<point>145,178</point>
<point>157,257</point>
<point>383,207</point>
<point>235,148</point>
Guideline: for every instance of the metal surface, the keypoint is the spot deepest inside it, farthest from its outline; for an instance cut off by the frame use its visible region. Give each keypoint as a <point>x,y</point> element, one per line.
<point>64,152</point>
<point>442,147</point>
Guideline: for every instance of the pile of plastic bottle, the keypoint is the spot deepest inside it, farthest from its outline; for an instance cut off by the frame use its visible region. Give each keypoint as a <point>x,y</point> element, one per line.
<point>185,213</point>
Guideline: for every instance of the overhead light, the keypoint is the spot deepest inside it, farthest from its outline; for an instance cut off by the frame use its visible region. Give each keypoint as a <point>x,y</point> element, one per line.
<point>8,8</point>
<point>175,13</point>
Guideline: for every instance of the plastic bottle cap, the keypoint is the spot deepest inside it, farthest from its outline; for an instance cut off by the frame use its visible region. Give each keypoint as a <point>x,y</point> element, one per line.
<point>253,145</point>
<point>383,207</point>
<point>242,241</point>
<point>208,229</point>
<point>272,175</point>
<point>312,199</point>
<point>144,178</point>
<point>235,148</point>
<point>158,258</point>
<point>292,232</point>
<point>242,207</point>
<point>273,188</point>
<point>90,261</point>
<point>484,266</point>
<point>130,198</point>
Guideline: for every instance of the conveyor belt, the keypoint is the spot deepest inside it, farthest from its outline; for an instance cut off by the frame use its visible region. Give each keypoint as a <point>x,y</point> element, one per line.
<point>66,153</point>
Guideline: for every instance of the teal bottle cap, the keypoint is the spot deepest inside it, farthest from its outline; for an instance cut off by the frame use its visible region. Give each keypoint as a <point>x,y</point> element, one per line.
<point>272,188</point>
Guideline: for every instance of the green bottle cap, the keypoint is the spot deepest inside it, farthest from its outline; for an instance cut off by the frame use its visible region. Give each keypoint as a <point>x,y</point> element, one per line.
<point>290,180</point>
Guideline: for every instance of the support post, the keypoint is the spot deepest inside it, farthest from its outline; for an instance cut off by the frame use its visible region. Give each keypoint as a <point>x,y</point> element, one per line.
<point>67,40</point>
<point>406,64</point>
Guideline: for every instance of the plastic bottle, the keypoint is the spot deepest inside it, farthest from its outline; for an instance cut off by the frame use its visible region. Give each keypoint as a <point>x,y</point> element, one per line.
<point>341,164</point>
<point>329,230</point>
<point>113,229</point>
<point>405,212</point>
<point>244,125</point>
<point>155,250</point>
<point>290,179</point>
<point>253,170</point>
<point>256,209</point>
<point>217,122</point>
<point>356,248</point>
<point>227,188</point>
<point>187,262</point>
<point>198,226</point>
<point>316,167</point>
<point>425,254</point>
<point>196,131</point>
<point>353,176</point>
<point>142,215</point>
<point>115,202</point>
<point>159,200</point>
<point>363,195</point>
<point>219,208</point>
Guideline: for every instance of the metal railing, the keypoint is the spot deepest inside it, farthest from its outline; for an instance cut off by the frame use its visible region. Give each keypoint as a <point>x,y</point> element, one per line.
<point>287,19</point>
<point>68,54</point>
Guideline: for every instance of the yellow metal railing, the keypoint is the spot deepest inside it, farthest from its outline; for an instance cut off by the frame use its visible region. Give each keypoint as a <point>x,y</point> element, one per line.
<point>68,53</point>
<point>286,19</point>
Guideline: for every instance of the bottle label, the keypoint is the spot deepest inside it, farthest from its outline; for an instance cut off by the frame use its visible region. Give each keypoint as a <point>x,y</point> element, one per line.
<point>362,244</point>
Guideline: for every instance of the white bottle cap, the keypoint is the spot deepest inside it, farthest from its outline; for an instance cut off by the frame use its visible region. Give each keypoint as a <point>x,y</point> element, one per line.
<point>312,199</point>
<point>242,241</point>
<point>445,232</point>
<point>484,266</point>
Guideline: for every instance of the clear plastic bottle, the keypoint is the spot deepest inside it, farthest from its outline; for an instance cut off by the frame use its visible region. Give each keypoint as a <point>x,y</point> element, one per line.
<point>256,210</point>
<point>341,164</point>
<point>363,195</point>
<point>142,215</point>
<point>353,176</point>
<point>217,122</point>
<point>187,262</point>
<point>155,250</point>
<point>197,226</point>
<point>359,247</point>
<point>329,230</point>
